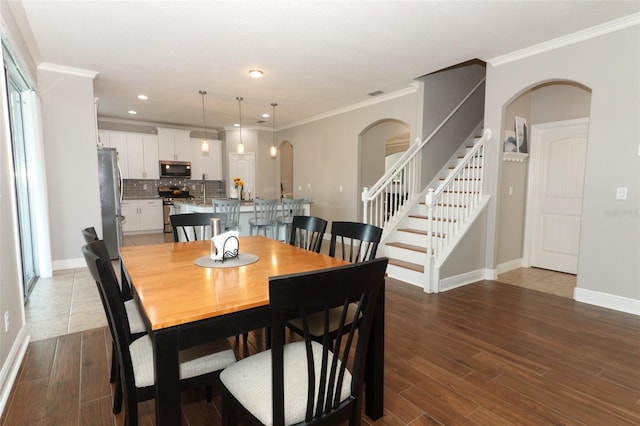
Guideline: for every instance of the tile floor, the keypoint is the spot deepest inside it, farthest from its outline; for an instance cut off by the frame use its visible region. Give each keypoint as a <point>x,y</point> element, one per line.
<point>543,280</point>
<point>69,301</point>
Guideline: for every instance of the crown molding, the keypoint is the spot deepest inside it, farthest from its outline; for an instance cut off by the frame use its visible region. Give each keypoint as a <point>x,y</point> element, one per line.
<point>63,69</point>
<point>577,37</point>
<point>378,99</point>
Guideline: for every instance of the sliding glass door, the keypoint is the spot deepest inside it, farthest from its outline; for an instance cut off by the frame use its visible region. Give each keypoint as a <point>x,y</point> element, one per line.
<point>16,87</point>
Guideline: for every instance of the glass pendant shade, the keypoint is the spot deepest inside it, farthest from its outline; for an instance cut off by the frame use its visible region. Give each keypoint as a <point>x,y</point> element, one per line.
<point>205,143</point>
<point>274,151</point>
<point>240,144</point>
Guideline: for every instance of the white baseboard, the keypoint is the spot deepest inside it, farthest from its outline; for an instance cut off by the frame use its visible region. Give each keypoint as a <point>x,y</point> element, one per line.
<point>463,279</point>
<point>10,369</point>
<point>508,266</point>
<point>69,264</point>
<point>609,301</point>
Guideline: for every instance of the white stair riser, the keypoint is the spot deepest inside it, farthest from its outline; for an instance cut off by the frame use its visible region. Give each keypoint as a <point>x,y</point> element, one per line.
<point>423,224</point>
<point>406,275</point>
<point>406,255</point>
<point>412,238</point>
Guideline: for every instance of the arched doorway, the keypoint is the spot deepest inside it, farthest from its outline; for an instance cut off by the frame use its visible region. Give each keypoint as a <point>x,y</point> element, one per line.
<point>380,145</point>
<point>286,169</point>
<point>554,104</point>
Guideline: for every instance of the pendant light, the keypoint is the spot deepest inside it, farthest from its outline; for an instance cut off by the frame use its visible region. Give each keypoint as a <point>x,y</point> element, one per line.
<point>273,150</point>
<point>240,144</point>
<point>205,143</point>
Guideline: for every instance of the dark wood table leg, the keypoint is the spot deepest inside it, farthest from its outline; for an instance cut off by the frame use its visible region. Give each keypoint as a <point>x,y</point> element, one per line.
<point>374,369</point>
<point>165,347</point>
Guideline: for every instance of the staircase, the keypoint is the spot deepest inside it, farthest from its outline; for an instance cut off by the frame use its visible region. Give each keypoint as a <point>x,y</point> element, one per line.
<point>435,223</point>
<point>422,226</point>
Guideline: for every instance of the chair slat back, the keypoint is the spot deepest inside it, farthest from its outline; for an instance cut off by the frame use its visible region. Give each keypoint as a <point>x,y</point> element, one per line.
<point>291,207</point>
<point>194,226</point>
<point>358,241</point>
<point>265,211</point>
<point>307,232</point>
<point>89,234</point>
<point>306,294</point>
<point>229,207</point>
<point>116,314</point>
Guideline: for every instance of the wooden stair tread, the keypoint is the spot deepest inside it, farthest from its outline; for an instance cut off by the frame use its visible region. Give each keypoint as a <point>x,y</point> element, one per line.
<point>408,247</point>
<point>407,265</point>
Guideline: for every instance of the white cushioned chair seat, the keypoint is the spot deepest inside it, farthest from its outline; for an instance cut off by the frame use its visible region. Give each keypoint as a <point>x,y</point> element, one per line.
<point>316,321</point>
<point>136,324</point>
<point>193,362</point>
<point>249,381</point>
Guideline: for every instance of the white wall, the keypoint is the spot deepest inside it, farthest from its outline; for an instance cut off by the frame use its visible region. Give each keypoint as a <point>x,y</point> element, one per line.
<point>71,159</point>
<point>325,155</point>
<point>609,65</point>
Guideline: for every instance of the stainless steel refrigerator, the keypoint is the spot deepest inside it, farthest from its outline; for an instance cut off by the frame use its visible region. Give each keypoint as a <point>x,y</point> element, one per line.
<point>110,198</point>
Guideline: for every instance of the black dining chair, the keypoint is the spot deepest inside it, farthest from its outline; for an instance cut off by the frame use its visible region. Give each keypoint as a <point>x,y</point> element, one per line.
<point>199,366</point>
<point>308,382</point>
<point>134,316</point>
<point>89,234</point>
<point>192,226</point>
<point>307,232</point>
<point>354,242</point>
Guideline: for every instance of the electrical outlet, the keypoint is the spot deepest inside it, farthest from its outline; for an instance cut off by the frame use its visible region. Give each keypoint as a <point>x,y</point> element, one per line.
<point>6,322</point>
<point>621,193</point>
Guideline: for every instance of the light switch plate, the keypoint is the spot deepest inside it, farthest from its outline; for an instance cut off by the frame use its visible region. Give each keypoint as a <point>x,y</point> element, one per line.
<point>621,193</point>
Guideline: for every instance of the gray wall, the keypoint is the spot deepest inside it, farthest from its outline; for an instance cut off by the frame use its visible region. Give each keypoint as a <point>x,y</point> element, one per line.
<point>610,235</point>
<point>442,92</point>
<point>68,122</point>
<point>469,255</point>
<point>325,154</point>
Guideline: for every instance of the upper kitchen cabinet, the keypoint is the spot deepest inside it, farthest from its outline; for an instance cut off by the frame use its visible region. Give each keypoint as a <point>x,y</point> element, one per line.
<point>137,153</point>
<point>209,163</point>
<point>174,144</point>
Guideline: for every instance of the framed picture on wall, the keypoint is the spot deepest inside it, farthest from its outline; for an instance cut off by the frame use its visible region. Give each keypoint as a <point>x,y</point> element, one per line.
<point>509,144</point>
<point>521,135</point>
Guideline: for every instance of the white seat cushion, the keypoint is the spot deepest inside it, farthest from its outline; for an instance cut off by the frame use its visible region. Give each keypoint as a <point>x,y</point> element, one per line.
<point>136,324</point>
<point>194,362</point>
<point>316,321</point>
<point>249,381</point>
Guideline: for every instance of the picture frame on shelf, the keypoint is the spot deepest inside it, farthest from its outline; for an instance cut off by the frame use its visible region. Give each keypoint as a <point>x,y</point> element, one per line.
<point>509,144</point>
<point>521,135</point>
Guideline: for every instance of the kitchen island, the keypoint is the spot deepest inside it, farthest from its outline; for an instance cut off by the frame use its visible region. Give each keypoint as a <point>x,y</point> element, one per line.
<point>246,212</point>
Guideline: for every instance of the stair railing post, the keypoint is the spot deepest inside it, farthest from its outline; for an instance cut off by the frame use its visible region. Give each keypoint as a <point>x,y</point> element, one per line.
<point>429,202</point>
<point>365,204</point>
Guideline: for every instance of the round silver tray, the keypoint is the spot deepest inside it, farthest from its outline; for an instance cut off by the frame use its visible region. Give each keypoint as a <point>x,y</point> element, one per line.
<point>242,260</point>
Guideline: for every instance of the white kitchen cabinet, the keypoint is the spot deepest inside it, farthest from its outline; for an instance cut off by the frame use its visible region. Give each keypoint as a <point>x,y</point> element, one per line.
<point>174,144</point>
<point>207,163</point>
<point>142,215</point>
<point>137,153</point>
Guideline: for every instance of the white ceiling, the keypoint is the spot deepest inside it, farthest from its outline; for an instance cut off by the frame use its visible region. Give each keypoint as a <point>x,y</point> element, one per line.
<point>317,56</point>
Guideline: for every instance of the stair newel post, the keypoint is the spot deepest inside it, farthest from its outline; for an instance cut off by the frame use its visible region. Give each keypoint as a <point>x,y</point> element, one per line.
<point>365,204</point>
<point>428,267</point>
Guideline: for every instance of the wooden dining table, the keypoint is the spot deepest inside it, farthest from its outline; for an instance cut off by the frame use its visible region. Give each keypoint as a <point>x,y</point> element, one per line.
<point>185,305</point>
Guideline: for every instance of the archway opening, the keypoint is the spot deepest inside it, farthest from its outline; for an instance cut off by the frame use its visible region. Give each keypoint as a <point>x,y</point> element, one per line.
<point>523,214</point>
<point>286,169</point>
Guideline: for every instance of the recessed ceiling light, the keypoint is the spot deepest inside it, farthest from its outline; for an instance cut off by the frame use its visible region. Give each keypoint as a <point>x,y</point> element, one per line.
<point>236,125</point>
<point>132,112</point>
<point>256,73</point>
<point>265,115</point>
<point>143,97</point>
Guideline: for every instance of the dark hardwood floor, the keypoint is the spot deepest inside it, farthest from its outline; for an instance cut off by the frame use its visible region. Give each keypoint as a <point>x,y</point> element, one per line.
<point>486,354</point>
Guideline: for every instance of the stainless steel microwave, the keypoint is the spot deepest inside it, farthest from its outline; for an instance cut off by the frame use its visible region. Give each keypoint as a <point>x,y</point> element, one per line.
<point>177,169</point>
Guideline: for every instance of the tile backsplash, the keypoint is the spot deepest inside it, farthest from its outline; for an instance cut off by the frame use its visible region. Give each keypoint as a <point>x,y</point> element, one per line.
<point>147,188</point>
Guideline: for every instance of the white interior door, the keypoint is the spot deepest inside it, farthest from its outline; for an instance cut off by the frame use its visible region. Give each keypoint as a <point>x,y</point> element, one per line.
<point>243,166</point>
<point>558,154</point>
